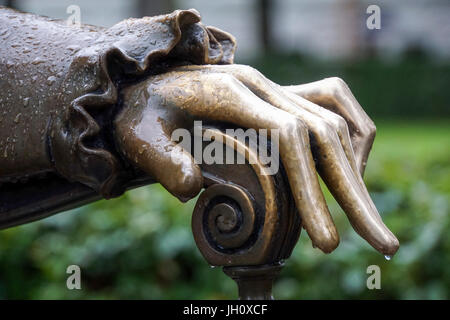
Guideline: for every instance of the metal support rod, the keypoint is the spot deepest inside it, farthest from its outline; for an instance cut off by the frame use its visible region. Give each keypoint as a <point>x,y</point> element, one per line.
<point>254,282</point>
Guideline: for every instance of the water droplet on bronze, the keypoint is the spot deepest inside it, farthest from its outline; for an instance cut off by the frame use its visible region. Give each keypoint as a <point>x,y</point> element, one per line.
<point>17,118</point>
<point>38,60</point>
<point>51,80</point>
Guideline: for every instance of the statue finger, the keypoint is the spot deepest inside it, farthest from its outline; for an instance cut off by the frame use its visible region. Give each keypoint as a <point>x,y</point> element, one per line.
<point>334,94</point>
<point>348,189</point>
<point>142,137</point>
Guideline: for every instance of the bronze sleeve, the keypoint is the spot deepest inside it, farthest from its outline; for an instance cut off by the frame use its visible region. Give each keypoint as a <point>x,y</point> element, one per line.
<point>61,85</point>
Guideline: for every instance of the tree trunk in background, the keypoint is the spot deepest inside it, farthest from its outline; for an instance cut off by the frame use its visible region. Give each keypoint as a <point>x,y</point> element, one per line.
<point>10,4</point>
<point>265,22</point>
<point>357,38</point>
<point>154,7</point>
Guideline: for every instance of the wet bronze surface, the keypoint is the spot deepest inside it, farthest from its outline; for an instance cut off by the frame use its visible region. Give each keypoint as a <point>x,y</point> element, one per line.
<point>310,138</point>
<point>59,88</point>
<point>88,112</point>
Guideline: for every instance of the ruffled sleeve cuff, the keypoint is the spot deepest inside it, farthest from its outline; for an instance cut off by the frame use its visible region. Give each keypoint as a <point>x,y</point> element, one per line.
<point>82,146</point>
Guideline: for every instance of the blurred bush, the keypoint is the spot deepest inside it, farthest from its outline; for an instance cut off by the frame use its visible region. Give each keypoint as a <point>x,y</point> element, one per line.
<point>411,86</point>
<point>140,245</point>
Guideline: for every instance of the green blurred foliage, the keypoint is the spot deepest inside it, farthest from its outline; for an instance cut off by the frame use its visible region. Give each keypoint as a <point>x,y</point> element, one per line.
<point>411,86</point>
<point>140,245</point>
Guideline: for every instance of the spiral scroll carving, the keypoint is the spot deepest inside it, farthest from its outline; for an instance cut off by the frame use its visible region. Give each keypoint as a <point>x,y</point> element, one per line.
<point>244,217</point>
<point>228,219</point>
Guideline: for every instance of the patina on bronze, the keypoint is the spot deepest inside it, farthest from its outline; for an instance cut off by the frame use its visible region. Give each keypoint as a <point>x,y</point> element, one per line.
<point>87,113</point>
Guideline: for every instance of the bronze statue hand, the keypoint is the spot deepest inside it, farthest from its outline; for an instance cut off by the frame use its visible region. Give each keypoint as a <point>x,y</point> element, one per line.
<point>311,137</point>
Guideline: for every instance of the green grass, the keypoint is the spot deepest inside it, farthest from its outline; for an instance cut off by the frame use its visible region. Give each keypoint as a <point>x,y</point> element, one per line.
<point>412,151</point>
<point>421,140</point>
